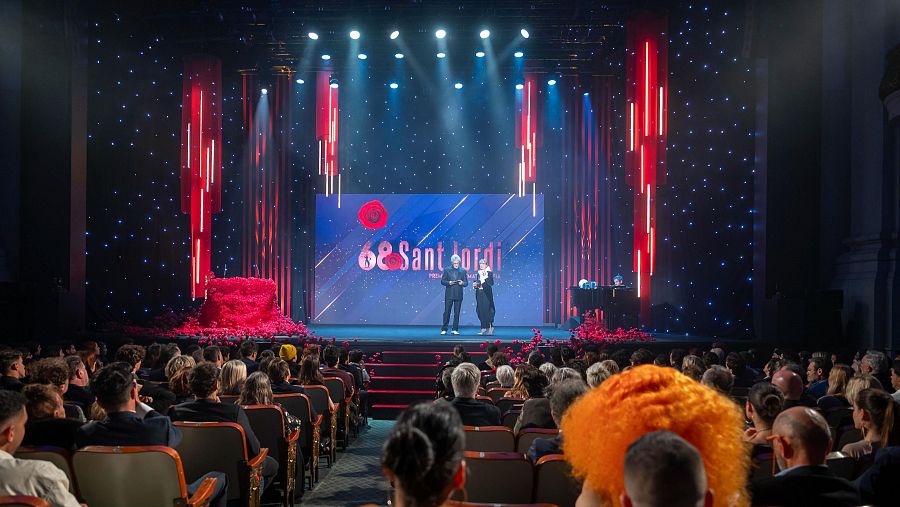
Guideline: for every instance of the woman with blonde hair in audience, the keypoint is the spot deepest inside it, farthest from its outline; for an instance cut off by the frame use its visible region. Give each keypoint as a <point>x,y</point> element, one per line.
<point>180,385</point>
<point>600,426</point>
<point>257,390</point>
<point>177,364</point>
<point>611,366</point>
<point>859,383</point>
<point>837,385</point>
<point>877,415</point>
<point>596,374</point>
<point>232,377</point>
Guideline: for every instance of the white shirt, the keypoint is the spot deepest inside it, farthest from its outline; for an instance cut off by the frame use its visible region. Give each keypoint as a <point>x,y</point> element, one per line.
<point>32,477</point>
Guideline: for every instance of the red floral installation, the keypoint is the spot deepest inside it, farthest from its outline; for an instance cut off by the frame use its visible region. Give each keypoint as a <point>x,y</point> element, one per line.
<point>373,215</point>
<point>394,261</point>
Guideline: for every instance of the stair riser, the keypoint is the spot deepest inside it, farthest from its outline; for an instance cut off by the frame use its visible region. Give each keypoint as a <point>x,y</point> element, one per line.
<point>425,357</point>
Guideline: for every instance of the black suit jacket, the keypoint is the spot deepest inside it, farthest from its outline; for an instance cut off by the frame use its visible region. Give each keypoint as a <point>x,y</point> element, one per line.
<point>162,397</point>
<point>355,371</point>
<point>535,414</point>
<point>455,291</point>
<point>213,411</point>
<point>252,366</point>
<point>127,428</point>
<point>157,375</point>
<point>476,413</point>
<point>544,447</point>
<point>286,388</point>
<point>878,484</point>
<point>11,384</point>
<point>52,431</point>
<point>79,395</point>
<point>813,486</point>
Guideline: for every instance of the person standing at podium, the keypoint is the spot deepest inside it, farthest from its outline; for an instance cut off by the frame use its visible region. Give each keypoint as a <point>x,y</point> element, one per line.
<point>453,280</point>
<point>484,297</point>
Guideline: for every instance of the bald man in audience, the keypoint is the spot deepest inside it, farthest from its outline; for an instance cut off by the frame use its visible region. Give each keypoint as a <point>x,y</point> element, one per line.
<point>662,468</point>
<point>791,385</point>
<point>801,440</point>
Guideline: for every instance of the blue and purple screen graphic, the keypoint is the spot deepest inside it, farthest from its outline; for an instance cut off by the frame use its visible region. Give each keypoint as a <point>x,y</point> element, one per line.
<point>355,282</point>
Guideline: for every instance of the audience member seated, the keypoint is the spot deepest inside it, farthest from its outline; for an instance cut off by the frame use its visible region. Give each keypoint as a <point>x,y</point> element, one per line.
<point>423,455</point>
<point>157,397</point>
<point>180,384</point>
<point>332,357</point>
<point>465,379</point>
<point>599,427</point>
<point>445,385</point>
<point>596,374</point>
<point>234,373</point>
<point>78,392</point>
<point>529,383</point>
<point>280,375</point>
<point>55,372</point>
<point>310,375</point>
<point>47,422</point>
<point>288,353</point>
<point>257,390</point>
<point>764,403</point>
<point>563,394</point>
<point>791,385</point>
<point>693,366</point>
<point>719,378</point>
<point>817,373</point>
<point>801,440</point>
<point>356,359</point>
<point>548,369</point>
<point>12,369</point>
<point>26,477</point>
<point>875,363</point>
<point>742,374</point>
<point>878,484</point>
<point>536,411</point>
<point>834,397</point>
<point>505,376</point>
<point>177,364</point>
<point>895,378</point>
<point>213,354</point>
<point>166,353</point>
<point>207,408</point>
<point>248,355</point>
<point>877,416</point>
<point>662,468</point>
<point>488,364</point>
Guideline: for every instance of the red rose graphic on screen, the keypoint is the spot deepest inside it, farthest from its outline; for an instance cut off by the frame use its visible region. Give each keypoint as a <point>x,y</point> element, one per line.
<point>373,215</point>
<point>394,261</point>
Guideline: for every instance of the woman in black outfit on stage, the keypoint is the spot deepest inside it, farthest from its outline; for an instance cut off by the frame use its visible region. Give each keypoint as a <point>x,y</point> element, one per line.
<point>484,297</point>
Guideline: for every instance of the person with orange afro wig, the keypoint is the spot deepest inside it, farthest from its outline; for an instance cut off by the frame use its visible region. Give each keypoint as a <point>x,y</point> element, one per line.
<point>600,426</point>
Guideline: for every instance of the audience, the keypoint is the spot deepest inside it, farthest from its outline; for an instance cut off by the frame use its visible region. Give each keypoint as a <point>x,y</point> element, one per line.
<point>564,393</point>
<point>280,376</point>
<point>12,369</point>
<point>310,375</point>
<point>895,378</point>
<point>465,379</point>
<point>78,391</point>
<point>248,355</point>
<point>876,414</point>
<point>719,378</point>
<point>234,373</point>
<point>834,397</point>
<point>663,469</point>
<point>505,376</point>
<point>791,385</point>
<point>213,354</point>
<point>817,373</point>
<point>597,373</point>
<point>26,477</point>
<point>47,422</point>
<point>206,407</point>
<point>332,357</point>
<point>536,411</point>
<point>801,440</point>
<point>764,403</point>
<point>875,363</point>
<point>157,397</point>
<point>600,426</point>
<point>529,383</point>
<point>423,455</point>
<point>166,353</point>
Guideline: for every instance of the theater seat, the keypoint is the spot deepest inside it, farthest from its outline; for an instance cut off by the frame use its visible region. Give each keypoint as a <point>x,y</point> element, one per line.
<point>498,477</point>
<point>507,404</point>
<point>525,437</point>
<point>453,503</point>
<point>267,422</point>
<point>553,481</point>
<point>341,397</point>
<point>496,393</point>
<point>56,455</point>
<point>490,439</point>
<point>23,501</point>
<point>222,447</point>
<point>229,398</point>
<point>318,396</point>
<point>510,418</point>
<point>135,476</point>
<point>841,464</point>
<point>299,405</point>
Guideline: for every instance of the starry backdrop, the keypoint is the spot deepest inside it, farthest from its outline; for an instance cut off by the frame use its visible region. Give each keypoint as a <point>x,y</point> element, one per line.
<point>425,136</point>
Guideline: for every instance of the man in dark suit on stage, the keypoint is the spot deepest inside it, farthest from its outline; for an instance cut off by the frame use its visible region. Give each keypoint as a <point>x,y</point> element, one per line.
<point>454,279</point>
<point>465,380</point>
<point>801,440</point>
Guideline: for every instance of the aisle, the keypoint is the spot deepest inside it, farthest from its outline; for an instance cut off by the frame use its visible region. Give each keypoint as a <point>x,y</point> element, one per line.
<point>356,477</point>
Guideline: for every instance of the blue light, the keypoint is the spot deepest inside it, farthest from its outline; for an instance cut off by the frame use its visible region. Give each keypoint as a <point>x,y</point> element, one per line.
<point>334,85</point>
<point>395,34</point>
<point>551,82</point>
<point>264,91</point>
<point>394,86</point>
<point>458,86</point>
<point>441,55</point>
<point>519,86</point>
<point>362,56</point>
<point>585,94</point>
<point>300,81</point>
<point>480,54</point>
<point>441,33</point>
<point>354,34</point>
<point>313,35</point>
<point>398,56</point>
<point>518,54</point>
<point>524,33</point>
<point>326,57</point>
<point>485,34</point>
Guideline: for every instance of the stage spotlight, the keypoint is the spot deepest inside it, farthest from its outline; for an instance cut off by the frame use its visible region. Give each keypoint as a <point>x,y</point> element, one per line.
<point>440,34</point>
<point>519,86</point>
<point>313,35</point>
<point>458,86</point>
<point>485,34</point>
<point>524,33</point>
<point>326,57</point>
<point>362,56</point>
<point>398,56</point>
<point>395,34</point>
<point>394,86</point>
<point>518,54</point>
<point>441,55</point>
<point>354,34</point>
<point>480,54</point>
<point>264,91</point>
<point>551,82</point>
<point>334,84</point>
<point>585,94</point>
<point>300,81</point>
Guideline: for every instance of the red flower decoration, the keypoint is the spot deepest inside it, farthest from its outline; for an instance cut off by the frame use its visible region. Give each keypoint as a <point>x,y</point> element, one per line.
<point>394,261</point>
<point>373,215</point>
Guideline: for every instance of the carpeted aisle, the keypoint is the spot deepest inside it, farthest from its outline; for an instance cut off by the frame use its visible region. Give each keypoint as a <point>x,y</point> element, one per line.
<point>355,479</point>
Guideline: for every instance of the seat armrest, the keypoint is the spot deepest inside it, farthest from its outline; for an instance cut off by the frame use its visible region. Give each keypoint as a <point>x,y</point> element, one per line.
<point>318,421</point>
<point>258,460</point>
<point>204,493</point>
<point>294,436</point>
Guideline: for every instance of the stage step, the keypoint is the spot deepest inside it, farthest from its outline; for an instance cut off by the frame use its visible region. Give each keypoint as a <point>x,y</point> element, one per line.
<point>399,397</point>
<point>386,412</point>
<point>403,369</point>
<point>395,383</point>
<point>425,357</point>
